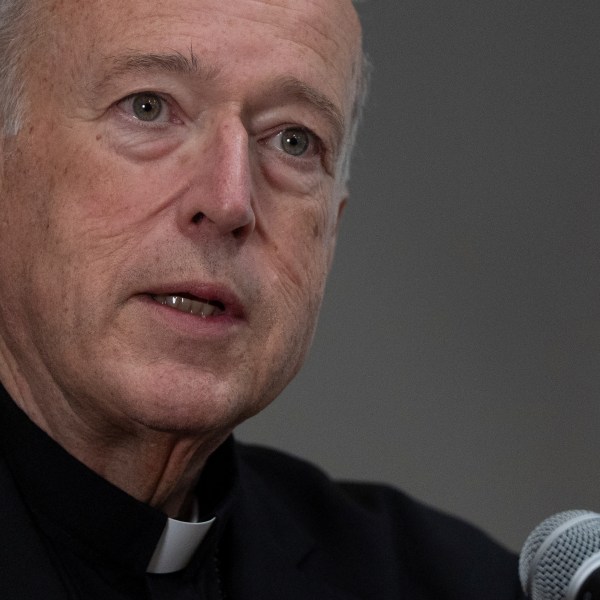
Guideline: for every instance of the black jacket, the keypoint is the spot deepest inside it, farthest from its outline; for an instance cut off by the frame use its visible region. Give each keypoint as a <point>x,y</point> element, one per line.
<point>293,534</point>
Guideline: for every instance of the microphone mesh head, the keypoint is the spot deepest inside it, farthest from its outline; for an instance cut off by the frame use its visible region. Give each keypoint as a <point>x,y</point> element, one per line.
<point>555,567</point>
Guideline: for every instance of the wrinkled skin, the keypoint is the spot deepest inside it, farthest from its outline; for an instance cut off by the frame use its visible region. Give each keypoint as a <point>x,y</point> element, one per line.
<point>102,211</point>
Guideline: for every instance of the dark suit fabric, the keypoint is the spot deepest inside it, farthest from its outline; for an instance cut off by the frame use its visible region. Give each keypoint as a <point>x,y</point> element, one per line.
<point>309,537</point>
<point>294,534</point>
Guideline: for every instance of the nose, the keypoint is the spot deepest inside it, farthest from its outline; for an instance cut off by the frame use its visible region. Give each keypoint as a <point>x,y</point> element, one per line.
<point>220,196</point>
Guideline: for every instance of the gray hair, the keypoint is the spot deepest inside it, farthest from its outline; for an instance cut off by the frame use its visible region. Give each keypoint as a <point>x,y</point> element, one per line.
<point>14,24</point>
<point>363,79</point>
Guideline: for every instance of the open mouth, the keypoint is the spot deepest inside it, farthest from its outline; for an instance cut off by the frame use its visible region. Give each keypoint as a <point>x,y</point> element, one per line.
<point>192,305</point>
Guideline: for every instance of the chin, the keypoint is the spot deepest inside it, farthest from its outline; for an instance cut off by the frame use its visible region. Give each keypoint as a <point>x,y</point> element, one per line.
<point>189,398</point>
<point>190,409</point>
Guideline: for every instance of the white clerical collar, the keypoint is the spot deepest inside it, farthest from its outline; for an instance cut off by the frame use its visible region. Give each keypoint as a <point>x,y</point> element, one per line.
<point>177,544</point>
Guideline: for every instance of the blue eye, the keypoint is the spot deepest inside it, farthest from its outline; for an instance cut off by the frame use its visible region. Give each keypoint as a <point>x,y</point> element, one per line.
<point>147,106</point>
<point>295,141</point>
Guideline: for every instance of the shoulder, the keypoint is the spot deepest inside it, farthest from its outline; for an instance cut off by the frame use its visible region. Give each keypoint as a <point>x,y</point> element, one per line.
<point>439,554</point>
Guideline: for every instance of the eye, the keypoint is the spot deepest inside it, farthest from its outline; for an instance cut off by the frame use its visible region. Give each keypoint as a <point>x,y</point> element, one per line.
<point>145,106</point>
<point>295,141</point>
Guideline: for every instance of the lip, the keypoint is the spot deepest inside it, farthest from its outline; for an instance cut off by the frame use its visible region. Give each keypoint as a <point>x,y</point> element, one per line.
<point>233,310</point>
<point>215,294</point>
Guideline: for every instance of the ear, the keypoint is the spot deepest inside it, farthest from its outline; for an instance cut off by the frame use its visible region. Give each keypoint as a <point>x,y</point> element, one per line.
<point>338,217</point>
<point>340,212</point>
<point>342,201</point>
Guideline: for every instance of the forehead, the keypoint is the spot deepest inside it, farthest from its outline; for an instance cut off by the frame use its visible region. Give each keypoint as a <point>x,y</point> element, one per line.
<point>307,18</point>
<point>310,39</point>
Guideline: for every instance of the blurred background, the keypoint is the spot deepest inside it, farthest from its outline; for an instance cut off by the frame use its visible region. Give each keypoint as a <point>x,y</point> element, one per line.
<point>458,352</point>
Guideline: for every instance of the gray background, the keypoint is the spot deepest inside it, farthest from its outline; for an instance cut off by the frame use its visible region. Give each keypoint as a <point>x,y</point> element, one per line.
<point>458,354</point>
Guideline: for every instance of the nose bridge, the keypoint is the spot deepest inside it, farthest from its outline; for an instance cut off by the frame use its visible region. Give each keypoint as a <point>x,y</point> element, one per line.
<point>222,194</point>
<point>232,168</point>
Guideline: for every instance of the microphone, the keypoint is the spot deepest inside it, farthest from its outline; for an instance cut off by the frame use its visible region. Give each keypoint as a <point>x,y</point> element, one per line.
<point>560,559</point>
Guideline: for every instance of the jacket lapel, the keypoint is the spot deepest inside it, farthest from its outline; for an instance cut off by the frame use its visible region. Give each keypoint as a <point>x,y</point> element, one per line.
<point>277,577</point>
<point>271,555</point>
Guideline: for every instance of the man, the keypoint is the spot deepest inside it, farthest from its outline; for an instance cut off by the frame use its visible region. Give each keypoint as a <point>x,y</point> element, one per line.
<point>172,178</point>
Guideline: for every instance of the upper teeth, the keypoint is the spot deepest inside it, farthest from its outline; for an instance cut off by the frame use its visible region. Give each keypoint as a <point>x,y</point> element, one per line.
<point>187,305</point>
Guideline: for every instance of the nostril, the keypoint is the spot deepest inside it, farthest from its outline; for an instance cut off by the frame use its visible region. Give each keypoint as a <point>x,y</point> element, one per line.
<point>241,232</point>
<point>197,217</point>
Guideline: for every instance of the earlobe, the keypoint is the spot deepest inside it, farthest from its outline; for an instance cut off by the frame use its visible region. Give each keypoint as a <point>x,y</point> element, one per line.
<point>340,210</point>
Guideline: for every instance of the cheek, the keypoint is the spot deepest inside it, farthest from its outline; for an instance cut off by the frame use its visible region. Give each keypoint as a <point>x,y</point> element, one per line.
<point>299,248</point>
<point>66,229</point>
<point>100,208</point>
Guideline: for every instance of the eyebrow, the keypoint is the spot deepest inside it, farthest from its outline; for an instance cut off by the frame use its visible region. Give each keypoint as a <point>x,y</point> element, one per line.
<point>140,62</point>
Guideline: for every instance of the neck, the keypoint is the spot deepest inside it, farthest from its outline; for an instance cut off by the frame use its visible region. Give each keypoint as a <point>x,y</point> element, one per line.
<point>159,468</point>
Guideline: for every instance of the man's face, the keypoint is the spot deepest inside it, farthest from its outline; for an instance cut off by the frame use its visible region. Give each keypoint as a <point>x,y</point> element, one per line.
<point>169,208</point>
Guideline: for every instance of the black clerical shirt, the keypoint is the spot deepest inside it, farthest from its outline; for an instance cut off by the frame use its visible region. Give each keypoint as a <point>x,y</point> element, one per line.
<point>99,538</point>
<point>283,531</point>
